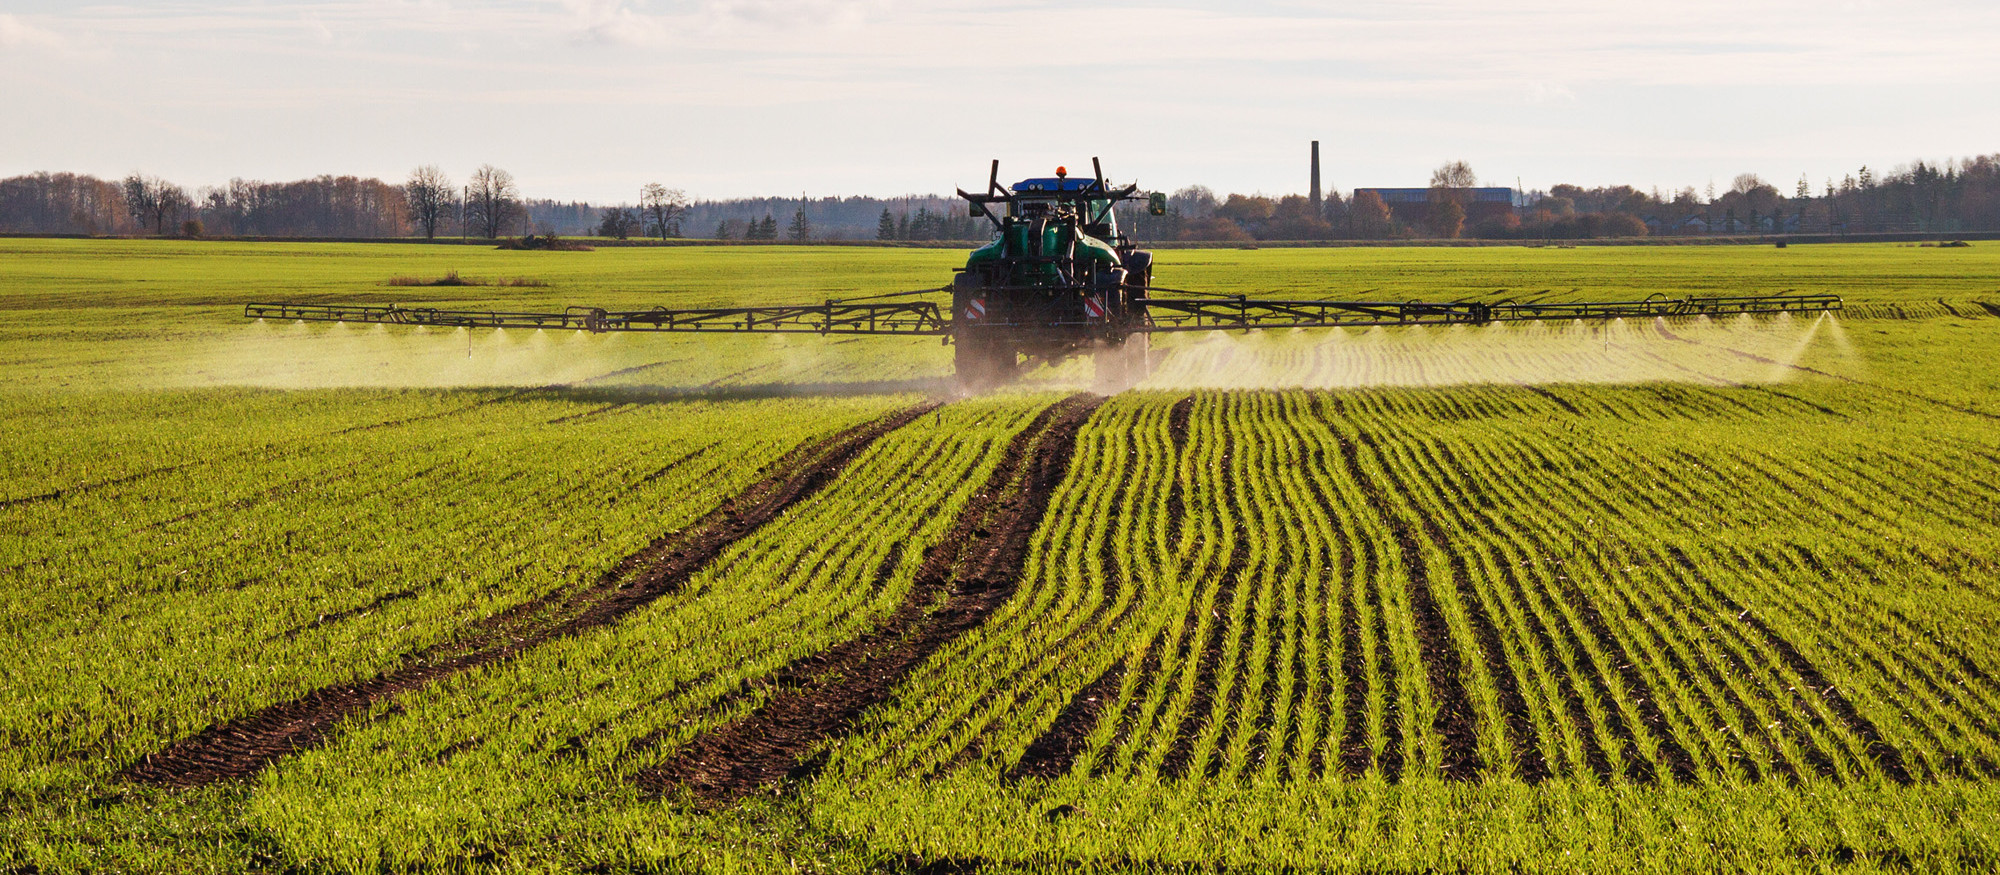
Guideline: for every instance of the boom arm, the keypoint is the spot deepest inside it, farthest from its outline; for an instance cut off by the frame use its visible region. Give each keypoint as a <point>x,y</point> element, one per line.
<point>914,317</point>
<point>1239,312</point>
<point>1163,314</point>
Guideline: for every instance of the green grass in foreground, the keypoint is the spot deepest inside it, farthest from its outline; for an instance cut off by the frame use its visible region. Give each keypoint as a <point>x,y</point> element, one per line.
<point>205,515</point>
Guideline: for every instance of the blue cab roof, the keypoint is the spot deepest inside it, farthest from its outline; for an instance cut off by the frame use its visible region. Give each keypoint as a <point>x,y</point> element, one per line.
<point>1052,183</point>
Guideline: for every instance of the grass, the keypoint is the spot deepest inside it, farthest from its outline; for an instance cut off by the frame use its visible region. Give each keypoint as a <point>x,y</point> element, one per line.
<point>1703,611</point>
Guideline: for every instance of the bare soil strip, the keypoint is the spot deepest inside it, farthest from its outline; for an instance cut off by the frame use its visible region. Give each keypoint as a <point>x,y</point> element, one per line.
<point>1147,672</point>
<point>1095,627</point>
<point>1455,721</point>
<point>241,747</point>
<point>1355,751</point>
<point>1885,753</point>
<point>1529,764</point>
<point>974,570</point>
<point>1055,751</point>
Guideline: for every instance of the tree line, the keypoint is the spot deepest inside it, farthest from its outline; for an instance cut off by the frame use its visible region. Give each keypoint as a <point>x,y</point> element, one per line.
<point>1945,197</point>
<point>1962,195</point>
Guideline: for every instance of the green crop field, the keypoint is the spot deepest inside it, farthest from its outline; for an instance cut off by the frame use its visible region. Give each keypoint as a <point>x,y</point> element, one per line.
<point>1713,595</point>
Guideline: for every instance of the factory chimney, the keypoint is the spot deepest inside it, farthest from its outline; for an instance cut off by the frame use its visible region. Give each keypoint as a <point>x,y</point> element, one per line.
<point>1315,188</point>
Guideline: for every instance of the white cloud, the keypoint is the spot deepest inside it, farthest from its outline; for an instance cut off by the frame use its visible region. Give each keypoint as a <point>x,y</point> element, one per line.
<point>18,34</point>
<point>317,28</point>
<point>614,23</point>
<point>901,96</point>
<point>793,14</point>
<point>1550,92</point>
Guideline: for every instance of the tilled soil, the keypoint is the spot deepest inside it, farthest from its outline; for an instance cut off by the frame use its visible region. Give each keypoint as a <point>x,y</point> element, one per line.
<point>973,571</point>
<point>241,747</point>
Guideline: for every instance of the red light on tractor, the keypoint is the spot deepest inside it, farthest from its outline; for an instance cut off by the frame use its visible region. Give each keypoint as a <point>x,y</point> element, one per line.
<point>1062,172</point>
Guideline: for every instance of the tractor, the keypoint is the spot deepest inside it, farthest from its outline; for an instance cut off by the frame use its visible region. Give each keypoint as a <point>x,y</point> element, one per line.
<point>1057,280</point>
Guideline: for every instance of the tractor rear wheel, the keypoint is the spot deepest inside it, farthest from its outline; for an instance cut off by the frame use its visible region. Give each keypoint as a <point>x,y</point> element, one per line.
<point>1121,366</point>
<point>982,363</point>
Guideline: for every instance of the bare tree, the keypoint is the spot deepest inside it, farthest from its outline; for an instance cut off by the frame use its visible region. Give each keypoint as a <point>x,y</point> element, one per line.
<point>1193,202</point>
<point>1451,182</point>
<point>429,194</point>
<point>662,208</point>
<point>492,202</point>
<point>155,201</point>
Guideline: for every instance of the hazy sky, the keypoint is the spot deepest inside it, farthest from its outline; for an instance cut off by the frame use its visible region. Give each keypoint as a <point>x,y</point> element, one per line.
<point>588,99</point>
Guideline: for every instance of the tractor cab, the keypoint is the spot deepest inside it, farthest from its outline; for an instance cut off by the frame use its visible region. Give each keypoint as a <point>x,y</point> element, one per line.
<point>1050,196</point>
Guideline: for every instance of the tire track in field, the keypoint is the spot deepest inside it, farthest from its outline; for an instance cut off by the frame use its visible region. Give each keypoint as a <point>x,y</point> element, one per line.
<point>1054,752</point>
<point>884,572</point>
<point>975,570</point>
<point>243,746</point>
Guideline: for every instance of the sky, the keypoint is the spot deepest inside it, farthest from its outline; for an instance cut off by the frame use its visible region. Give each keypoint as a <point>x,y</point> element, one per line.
<point>590,99</point>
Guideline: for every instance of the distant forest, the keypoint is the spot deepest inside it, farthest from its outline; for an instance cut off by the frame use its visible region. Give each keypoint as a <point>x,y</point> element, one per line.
<point>1946,197</point>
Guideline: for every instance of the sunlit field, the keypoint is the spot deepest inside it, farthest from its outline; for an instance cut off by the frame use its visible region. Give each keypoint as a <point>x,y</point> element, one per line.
<point>1667,594</point>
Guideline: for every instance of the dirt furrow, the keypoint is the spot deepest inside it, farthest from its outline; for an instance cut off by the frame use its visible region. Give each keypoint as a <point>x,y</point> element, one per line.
<point>1455,720</point>
<point>975,568</point>
<point>1529,763</point>
<point>243,746</point>
<point>1885,753</point>
<point>1370,658</point>
<point>1073,631</point>
<point>1054,752</point>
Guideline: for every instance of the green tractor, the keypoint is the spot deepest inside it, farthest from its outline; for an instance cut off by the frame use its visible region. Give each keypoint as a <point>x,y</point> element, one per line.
<point>1059,279</point>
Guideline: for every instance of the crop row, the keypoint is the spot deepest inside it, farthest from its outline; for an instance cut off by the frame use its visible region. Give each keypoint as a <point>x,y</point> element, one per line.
<point>144,611</point>
<point>1653,586</point>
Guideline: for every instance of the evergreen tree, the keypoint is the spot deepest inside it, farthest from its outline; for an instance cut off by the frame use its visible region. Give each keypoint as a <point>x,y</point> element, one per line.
<point>722,230</point>
<point>769,229</point>
<point>886,229</point>
<point>801,230</point>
